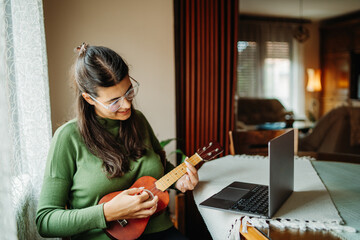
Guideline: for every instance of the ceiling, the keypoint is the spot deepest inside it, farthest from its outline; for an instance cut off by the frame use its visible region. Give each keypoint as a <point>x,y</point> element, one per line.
<point>314,10</point>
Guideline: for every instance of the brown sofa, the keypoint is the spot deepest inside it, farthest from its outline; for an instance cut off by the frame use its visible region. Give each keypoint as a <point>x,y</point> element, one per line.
<point>255,111</point>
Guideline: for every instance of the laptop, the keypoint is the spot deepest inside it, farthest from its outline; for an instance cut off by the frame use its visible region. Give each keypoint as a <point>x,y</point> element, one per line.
<point>260,200</point>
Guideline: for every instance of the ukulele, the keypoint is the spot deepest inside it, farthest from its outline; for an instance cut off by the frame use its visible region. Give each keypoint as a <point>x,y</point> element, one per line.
<point>133,228</point>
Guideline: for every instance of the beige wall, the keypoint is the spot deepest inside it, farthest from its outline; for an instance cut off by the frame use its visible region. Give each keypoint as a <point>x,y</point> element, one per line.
<point>311,47</point>
<point>311,59</point>
<point>141,31</point>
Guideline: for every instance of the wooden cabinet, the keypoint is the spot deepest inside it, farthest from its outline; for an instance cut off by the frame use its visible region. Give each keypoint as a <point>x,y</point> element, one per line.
<point>339,39</point>
<point>356,38</point>
<point>336,69</point>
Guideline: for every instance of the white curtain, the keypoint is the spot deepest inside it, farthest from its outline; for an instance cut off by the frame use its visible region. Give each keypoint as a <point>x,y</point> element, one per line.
<point>270,63</point>
<point>298,74</point>
<point>24,114</point>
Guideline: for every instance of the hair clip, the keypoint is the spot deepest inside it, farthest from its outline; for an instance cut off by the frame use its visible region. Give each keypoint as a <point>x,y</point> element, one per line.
<point>82,48</point>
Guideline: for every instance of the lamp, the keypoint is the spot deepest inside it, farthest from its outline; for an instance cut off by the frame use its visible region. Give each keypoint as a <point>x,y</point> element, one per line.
<point>301,33</point>
<point>314,83</point>
<point>313,86</point>
<point>343,81</point>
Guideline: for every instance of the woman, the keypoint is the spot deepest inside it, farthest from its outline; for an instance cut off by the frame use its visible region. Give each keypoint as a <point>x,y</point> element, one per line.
<point>105,149</point>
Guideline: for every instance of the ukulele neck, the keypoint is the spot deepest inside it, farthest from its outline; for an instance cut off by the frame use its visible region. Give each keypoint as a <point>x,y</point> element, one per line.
<point>170,178</point>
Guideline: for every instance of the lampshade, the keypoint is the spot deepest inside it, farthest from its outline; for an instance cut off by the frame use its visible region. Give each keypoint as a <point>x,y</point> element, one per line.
<point>343,81</point>
<point>314,83</point>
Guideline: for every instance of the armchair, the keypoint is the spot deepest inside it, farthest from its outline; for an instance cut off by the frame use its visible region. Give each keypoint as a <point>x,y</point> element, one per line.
<point>337,132</point>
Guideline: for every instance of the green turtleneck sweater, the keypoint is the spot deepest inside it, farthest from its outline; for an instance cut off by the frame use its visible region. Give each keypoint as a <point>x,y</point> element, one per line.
<point>75,177</point>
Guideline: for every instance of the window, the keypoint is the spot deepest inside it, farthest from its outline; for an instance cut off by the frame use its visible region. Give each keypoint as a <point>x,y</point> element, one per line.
<point>277,72</point>
<point>268,64</point>
<point>246,67</point>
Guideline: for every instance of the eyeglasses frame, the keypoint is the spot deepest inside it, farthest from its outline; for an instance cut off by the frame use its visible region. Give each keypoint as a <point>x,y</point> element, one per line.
<point>119,99</point>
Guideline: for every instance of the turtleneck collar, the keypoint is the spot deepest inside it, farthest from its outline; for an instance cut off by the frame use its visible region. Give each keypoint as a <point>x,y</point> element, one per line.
<point>111,125</point>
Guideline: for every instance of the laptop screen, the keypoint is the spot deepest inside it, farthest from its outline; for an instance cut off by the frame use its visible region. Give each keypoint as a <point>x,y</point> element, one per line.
<point>281,184</point>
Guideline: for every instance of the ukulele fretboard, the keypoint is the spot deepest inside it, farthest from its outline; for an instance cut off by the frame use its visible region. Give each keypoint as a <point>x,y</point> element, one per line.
<point>166,181</point>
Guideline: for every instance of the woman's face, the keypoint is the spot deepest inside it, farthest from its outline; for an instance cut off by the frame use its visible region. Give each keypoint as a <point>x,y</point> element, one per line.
<point>107,95</point>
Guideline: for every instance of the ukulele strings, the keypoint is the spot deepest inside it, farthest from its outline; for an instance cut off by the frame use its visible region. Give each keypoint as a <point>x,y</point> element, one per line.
<point>181,166</point>
<point>155,190</point>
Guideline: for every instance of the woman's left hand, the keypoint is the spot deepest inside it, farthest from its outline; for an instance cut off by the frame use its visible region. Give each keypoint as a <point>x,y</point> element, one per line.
<point>189,180</point>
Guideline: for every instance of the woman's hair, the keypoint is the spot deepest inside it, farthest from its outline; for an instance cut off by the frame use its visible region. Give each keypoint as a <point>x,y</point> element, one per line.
<point>95,67</point>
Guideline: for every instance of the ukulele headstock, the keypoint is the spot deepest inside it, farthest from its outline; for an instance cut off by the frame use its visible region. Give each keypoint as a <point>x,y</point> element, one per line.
<point>209,152</point>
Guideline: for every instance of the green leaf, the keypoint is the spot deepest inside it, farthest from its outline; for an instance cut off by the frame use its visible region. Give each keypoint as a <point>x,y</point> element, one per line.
<point>183,158</point>
<point>178,151</point>
<point>163,143</point>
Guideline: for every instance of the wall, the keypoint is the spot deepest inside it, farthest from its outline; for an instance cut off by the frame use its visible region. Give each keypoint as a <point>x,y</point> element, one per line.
<point>311,47</point>
<point>141,31</point>
<point>311,60</point>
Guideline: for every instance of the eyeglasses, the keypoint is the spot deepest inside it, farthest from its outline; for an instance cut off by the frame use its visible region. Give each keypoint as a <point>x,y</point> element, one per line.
<point>117,104</point>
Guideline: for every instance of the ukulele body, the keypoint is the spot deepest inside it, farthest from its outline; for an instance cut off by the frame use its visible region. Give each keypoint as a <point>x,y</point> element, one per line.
<point>135,227</point>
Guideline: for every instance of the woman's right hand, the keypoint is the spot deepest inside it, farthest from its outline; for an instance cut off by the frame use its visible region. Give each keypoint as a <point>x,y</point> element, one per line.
<point>131,203</point>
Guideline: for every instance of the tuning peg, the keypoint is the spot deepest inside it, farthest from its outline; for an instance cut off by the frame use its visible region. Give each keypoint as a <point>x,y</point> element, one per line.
<point>216,150</point>
<point>210,144</point>
<point>209,154</point>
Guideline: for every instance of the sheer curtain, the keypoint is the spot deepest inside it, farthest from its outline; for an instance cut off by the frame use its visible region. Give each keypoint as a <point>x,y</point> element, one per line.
<point>7,218</point>
<point>270,63</point>
<point>25,115</point>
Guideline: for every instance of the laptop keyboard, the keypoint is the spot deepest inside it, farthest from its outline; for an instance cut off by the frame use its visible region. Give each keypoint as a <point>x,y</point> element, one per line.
<point>255,201</point>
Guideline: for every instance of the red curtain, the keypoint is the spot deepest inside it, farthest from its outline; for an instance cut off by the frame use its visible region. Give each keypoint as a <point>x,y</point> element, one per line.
<point>205,53</point>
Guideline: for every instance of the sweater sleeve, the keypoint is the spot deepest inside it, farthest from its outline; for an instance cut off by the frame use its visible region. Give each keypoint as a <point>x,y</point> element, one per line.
<point>52,219</point>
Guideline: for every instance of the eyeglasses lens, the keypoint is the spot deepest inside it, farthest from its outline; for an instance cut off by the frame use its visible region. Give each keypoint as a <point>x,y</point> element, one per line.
<point>130,95</point>
<point>116,105</point>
